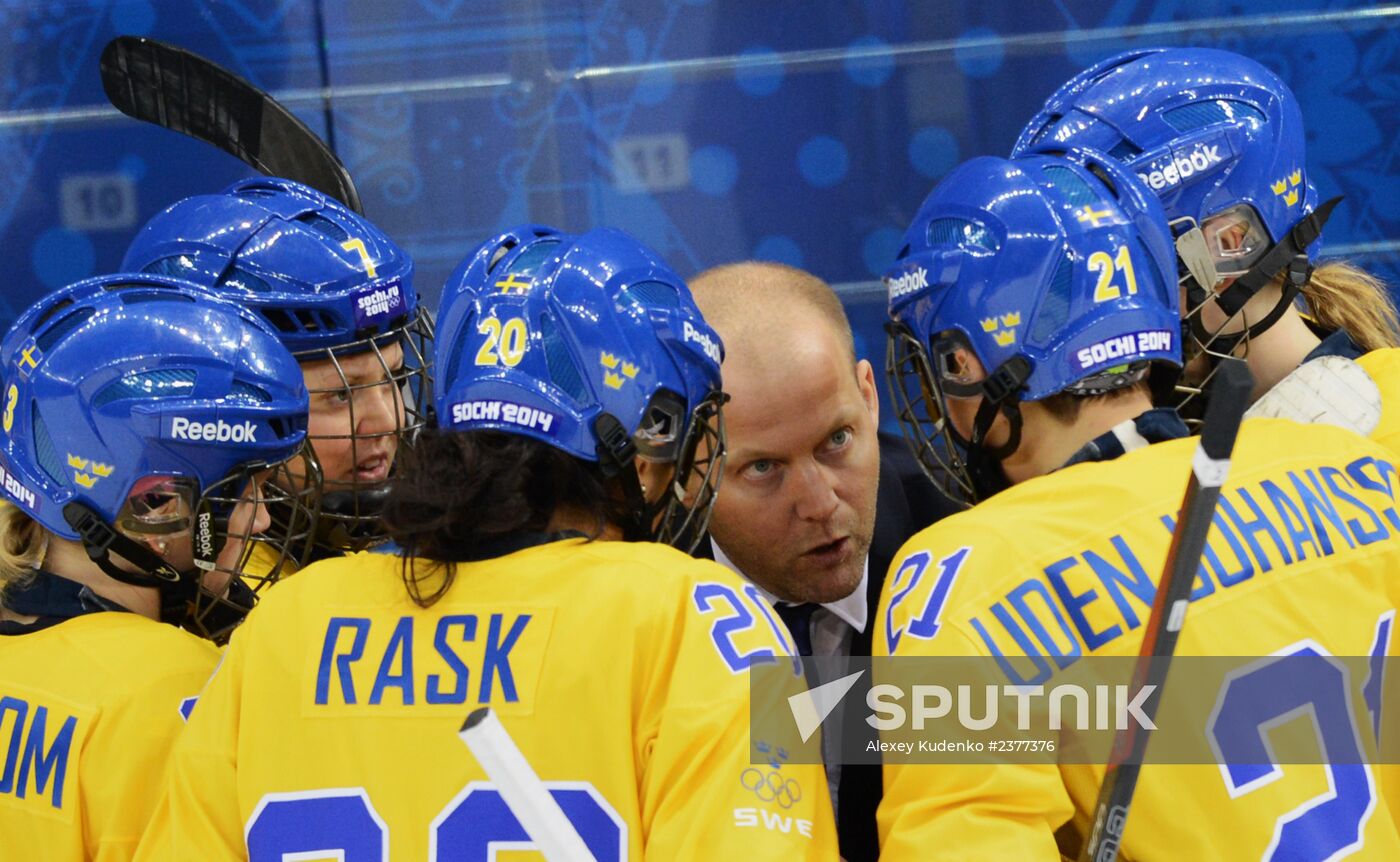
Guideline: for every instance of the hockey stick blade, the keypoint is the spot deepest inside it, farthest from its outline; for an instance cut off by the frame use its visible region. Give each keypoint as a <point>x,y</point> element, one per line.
<point>179,90</point>
<point>1229,397</point>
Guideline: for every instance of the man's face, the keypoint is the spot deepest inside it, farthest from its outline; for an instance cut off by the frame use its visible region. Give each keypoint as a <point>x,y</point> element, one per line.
<point>356,414</point>
<point>796,510</point>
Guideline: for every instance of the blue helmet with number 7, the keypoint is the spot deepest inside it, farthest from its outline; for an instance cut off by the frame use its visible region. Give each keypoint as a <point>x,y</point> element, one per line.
<point>1020,279</point>
<point>149,419</point>
<point>340,295</point>
<point>591,344</point>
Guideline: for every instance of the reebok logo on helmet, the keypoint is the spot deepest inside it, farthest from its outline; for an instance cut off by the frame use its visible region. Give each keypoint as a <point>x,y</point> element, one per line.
<point>219,431</point>
<point>705,342</point>
<point>1179,167</point>
<point>907,283</point>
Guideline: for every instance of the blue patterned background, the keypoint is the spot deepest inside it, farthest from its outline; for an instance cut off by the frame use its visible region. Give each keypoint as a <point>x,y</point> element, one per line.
<point>805,131</point>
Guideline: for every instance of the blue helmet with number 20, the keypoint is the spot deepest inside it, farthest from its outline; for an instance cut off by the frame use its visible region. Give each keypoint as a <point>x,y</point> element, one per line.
<point>591,344</point>
<point>1020,279</point>
<point>340,295</point>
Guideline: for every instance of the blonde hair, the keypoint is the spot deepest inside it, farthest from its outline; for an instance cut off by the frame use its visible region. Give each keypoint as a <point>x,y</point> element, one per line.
<point>1341,295</point>
<point>22,543</point>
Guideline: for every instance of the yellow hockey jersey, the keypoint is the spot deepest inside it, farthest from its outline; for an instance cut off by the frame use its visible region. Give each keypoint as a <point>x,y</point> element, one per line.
<point>89,710</point>
<point>620,670</point>
<point>1384,367</point>
<point>1304,555</point>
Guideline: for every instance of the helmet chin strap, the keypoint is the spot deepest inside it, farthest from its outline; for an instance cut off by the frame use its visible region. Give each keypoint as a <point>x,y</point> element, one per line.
<point>175,588</point>
<point>1287,255</point>
<point>617,455</point>
<point>1000,394</point>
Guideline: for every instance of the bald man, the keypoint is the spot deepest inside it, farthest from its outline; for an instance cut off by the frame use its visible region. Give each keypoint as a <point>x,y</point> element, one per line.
<point>814,502</point>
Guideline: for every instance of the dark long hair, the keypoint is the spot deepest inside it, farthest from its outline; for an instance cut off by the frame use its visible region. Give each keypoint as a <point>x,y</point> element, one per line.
<point>460,496</point>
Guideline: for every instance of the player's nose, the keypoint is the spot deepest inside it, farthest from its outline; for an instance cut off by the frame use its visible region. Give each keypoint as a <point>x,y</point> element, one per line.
<point>814,489</point>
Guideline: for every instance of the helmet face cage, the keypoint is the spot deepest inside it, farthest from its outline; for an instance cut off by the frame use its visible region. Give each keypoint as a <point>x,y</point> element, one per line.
<point>191,531</point>
<point>684,509</point>
<point>1204,346</point>
<point>350,508</point>
<point>921,408</point>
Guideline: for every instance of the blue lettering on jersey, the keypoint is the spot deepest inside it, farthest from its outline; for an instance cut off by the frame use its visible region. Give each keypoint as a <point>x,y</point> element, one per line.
<point>1309,514</point>
<point>27,755</point>
<point>345,643</point>
<point>462,673</point>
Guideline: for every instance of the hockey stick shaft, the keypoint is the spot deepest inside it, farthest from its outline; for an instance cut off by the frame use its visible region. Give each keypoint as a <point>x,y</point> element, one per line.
<point>526,796</point>
<point>1209,467</point>
<point>179,90</point>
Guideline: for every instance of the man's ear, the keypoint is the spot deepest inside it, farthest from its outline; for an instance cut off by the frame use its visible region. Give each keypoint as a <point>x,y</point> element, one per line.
<point>869,392</point>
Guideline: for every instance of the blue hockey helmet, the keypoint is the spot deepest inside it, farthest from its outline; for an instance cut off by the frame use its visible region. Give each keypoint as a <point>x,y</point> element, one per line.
<point>1219,138</point>
<point>142,413</point>
<point>591,344</point>
<point>340,295</point>
<point>1055,273</point>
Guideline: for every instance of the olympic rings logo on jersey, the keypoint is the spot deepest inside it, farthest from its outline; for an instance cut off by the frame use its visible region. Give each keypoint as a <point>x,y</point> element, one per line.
<point>771,786</point>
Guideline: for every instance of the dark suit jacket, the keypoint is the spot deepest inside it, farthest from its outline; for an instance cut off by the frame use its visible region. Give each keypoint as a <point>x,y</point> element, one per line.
<point>906,503</point>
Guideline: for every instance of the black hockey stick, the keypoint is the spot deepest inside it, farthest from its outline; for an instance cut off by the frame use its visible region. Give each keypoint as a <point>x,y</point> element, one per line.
<point>1229,398</point>
<point>182,91</point>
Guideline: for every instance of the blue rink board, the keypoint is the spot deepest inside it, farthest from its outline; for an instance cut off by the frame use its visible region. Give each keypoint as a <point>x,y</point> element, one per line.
<point>792,130</point>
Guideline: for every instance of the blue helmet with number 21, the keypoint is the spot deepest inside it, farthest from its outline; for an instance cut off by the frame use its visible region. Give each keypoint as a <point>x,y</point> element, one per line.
<point>1020,279</point>
<point>340,295</point>
<point>593,345</point>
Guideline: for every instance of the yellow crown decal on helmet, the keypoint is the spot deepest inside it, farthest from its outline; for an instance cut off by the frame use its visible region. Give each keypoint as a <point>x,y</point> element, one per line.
<point>611,363</point>
<point>1002,328</point>
<point>1287,188</point>
<point>81,464</point>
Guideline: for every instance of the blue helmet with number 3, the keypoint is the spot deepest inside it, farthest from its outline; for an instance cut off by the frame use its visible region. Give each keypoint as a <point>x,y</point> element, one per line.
<point>139,412</point>
<point>593,345</point>
<point>340,295</point>
<point>1055,274</point>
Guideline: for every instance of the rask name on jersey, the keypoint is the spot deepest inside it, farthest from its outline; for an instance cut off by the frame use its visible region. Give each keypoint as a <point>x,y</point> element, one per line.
<point>489,656</point>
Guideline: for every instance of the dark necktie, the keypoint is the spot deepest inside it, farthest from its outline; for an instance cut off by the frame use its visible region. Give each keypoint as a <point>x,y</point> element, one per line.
<point>798,619</point>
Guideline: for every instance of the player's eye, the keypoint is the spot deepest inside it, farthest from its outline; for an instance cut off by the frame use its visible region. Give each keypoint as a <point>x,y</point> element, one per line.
<point>760,469</point>
<point>840,438</point>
